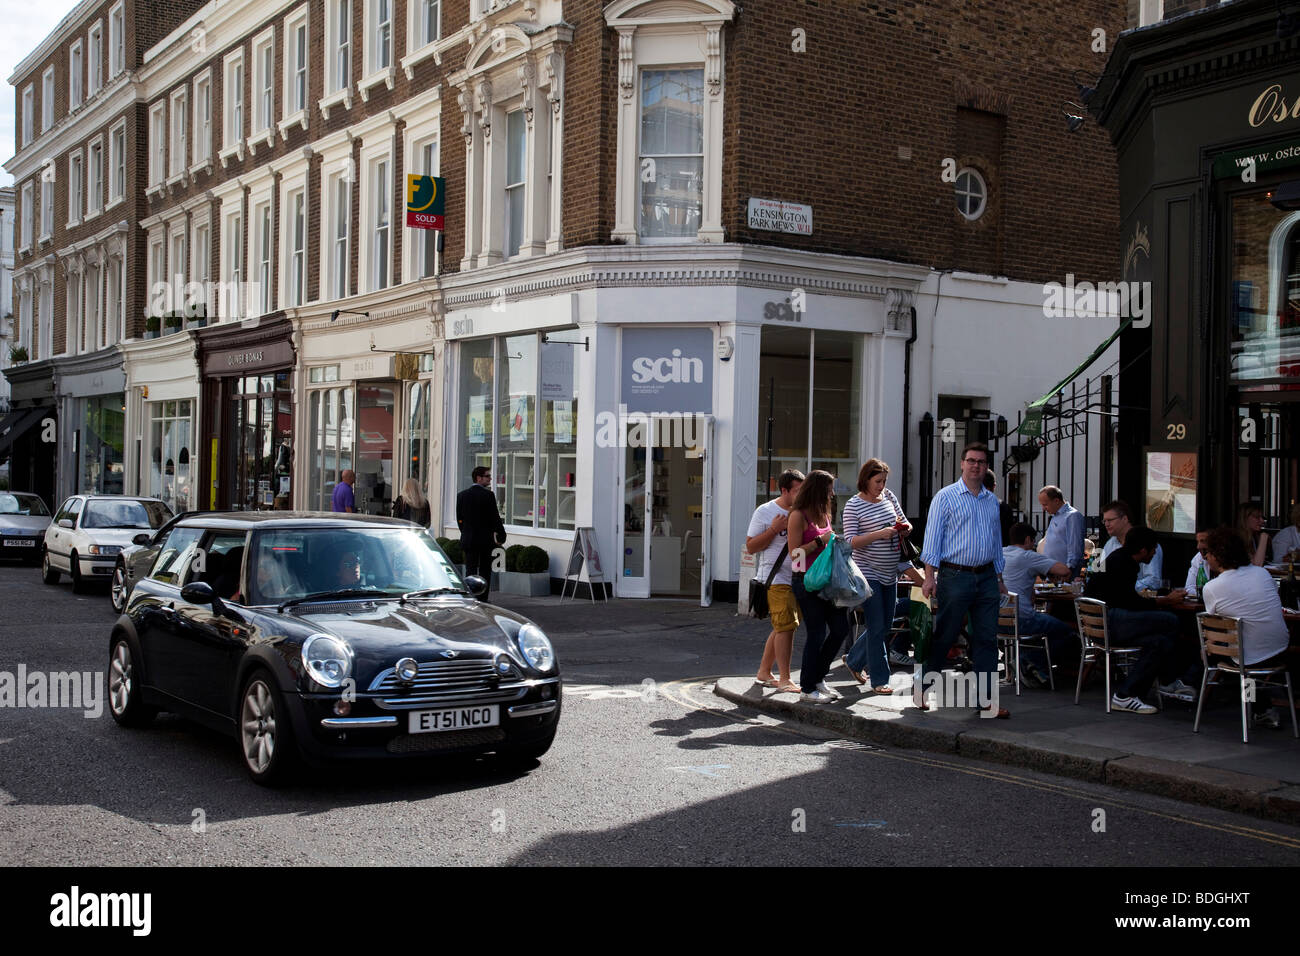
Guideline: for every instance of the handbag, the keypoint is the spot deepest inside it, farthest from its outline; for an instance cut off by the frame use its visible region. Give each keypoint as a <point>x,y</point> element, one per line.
<point>906,549</point>
<point>758,592</point>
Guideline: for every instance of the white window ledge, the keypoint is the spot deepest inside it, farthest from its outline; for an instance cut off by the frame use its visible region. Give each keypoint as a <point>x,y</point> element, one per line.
<point>343,96</point>
<point>237,151</point>
<point>265,138</point>
<point>297,119</point>
<point>434,49</point>
<point>44,240</point>
<point>202,166</point>
<point>386,76</point>
<point>73,223</point>
<point>158,188</point>
<point>178,179</point>
<point>92,214</point>
<point>114,202</point>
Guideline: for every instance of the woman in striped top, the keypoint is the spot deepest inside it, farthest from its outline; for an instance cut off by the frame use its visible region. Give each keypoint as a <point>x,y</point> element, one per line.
<point>873,520</point>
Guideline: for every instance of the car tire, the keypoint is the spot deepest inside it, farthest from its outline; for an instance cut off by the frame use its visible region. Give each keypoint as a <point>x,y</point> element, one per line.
<point>117,589</point>
<point>49,574</point>
<point>527,753</point>
<point>124,702</point>
<point>266,742</point>
<point>74,572</point>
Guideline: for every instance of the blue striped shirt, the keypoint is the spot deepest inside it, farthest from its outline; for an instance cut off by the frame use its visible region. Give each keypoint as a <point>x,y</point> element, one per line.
<point>963,528</point>
<point>1064,538</point>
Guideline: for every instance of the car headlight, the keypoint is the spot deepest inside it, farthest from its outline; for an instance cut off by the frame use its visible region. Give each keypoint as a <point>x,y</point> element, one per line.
<point>105,550</point>
<point>535,647</point>
<point>328,660</point>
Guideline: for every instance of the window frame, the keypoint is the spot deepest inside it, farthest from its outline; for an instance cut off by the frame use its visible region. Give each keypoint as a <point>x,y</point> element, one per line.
<point>232,132</point>
<point>643,155</point>
<point>292,110</point>
<point>971,171</point>
<point>94,177</point>
<point>76,186</point>
<point>201,145</point>
<point>263,250</point>
<point>76,77</point>
<point>116,39</point>
<point>94,58</point>
<point>263,127</point>
<point>28,227</point>
<point>116,163</point>
<point>29,114</point>
<point>47,209</point>
<point>178,133</point>
<point>47,98</point>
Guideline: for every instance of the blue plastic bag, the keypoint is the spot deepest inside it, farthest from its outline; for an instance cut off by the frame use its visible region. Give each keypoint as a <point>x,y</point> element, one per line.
<point>848,587</point>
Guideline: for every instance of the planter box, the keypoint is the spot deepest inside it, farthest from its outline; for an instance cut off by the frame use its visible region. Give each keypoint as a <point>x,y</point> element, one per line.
<point>151,333</point>
<point>196,323</point>
<point>528,585</point>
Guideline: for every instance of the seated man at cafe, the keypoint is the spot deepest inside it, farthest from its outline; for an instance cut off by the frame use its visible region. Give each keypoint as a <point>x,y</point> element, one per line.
<point>1115,518</point>
<point>1198,568</point>
<point>1246,591</point>
<point>1021,565</point>
<point>1136,621</point>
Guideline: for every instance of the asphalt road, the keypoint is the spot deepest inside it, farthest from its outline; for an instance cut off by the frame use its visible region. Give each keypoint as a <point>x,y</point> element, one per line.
<point>649,768</point>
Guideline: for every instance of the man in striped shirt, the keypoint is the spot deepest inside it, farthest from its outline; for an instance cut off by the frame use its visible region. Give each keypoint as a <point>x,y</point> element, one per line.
<point>963,562</point>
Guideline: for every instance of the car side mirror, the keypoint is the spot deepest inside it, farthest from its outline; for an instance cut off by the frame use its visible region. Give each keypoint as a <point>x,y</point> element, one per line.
<point>65,523</point>
<point>199,592</point>
<point>141,539</point>
<point>477,585</point>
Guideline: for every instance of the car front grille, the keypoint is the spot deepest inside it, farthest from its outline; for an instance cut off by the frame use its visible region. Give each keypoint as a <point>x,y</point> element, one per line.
<point>444,683</point>
<point>447,740</point>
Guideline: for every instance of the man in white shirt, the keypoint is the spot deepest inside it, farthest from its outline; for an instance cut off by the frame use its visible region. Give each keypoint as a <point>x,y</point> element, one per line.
<point>1246,591</point>
<point>1288,539</point>
<point>1115,516</point>
<point>1022,565</point>
<point>1197,566</point>
<point>767,534</point>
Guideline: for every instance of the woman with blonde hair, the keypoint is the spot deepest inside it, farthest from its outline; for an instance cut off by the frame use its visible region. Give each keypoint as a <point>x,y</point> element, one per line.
<point>1250,525</point>
<point>411,505</point>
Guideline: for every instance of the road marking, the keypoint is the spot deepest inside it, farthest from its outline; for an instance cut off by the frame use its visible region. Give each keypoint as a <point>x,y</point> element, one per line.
<point>686,685</point>
<point>706,770</point>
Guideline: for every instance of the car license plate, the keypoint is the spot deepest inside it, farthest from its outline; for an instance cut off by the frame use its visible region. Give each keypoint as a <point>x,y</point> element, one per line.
<point>101,570</point>
<point>19,543</point>
<point>462,718</point>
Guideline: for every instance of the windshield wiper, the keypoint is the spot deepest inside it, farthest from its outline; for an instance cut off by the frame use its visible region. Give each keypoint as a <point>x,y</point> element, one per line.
<point>424,591</point>
<point>327,595</point>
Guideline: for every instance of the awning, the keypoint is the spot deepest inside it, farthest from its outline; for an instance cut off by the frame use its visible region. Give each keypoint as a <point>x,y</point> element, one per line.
<point>17,423</point>
<point>1032,426</point>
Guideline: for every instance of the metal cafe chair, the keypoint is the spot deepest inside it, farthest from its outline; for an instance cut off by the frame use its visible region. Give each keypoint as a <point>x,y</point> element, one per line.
<point>1221,638</point>
<point>1009,638</point>
<point>1094,636</point>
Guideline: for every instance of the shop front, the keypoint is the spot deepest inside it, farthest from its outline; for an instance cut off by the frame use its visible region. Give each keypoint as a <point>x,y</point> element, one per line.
<point>1210,193</point>
<point>247,438</point>
<point>29,432</point>
<point>163,419</point>
<point>92,419</point>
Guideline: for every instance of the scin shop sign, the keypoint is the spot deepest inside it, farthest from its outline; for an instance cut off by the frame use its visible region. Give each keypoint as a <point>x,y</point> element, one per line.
<point>240,359</point>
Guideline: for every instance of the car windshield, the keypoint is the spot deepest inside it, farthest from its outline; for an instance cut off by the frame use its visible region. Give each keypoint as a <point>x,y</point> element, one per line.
<point>128,513</point>
<point>20,504</point>
<point>288,564</point>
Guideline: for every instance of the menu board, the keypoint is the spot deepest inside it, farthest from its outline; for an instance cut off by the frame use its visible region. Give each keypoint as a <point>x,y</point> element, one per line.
<point>1171,482</point>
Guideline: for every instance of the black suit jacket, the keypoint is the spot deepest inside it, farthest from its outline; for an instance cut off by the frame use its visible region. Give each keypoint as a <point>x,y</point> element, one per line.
<point>478,519</point>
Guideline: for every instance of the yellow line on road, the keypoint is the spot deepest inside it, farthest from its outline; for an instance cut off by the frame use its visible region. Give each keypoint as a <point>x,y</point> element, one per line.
<point>688,701</point>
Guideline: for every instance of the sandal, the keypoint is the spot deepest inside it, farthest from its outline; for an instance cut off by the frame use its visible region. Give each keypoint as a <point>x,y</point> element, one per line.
<point>858,676</point>
<point>789,687</point>
<point>770,682</point>
<point>883,689</point>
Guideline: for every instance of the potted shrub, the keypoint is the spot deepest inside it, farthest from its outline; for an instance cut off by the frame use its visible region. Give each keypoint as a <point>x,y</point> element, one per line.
<point>455,554</point>
<point>17,353</point>
<point>172,323</point>
<point>151,326</point>
<point>528,571</point>
<point>197,318</point>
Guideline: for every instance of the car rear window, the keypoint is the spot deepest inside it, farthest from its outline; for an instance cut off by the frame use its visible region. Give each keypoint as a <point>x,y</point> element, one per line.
<point>101,513</point>
<point>17,504</point>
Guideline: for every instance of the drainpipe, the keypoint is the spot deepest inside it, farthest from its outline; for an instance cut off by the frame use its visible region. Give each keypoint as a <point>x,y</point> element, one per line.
<point>907,404</point>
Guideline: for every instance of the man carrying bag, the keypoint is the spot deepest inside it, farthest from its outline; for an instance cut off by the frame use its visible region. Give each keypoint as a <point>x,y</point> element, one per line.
<point>767,538</point>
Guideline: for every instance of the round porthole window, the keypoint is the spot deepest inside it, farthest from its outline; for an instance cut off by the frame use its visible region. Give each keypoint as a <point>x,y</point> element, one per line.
<point>971,192</point>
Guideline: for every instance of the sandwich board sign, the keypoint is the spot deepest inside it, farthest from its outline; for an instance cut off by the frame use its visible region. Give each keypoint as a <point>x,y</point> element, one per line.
<point>584,550</point>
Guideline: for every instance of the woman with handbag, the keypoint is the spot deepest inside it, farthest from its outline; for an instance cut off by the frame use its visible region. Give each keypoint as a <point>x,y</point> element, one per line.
<point>875,527</point>
<point>810,532</point>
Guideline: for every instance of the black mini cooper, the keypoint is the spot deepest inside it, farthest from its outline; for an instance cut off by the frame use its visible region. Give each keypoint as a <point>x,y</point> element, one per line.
<point>318,637</point>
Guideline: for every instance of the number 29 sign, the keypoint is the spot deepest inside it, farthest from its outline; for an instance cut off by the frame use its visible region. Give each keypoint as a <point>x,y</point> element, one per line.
<point>425,201</point>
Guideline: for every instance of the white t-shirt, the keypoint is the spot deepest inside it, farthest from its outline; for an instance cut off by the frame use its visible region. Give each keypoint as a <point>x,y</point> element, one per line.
<point>1250,594</point>
<point>763,517</point>
<point>1287,540</point>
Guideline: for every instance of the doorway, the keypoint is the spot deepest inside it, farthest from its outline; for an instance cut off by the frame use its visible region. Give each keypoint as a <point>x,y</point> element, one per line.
<point>666,477</point>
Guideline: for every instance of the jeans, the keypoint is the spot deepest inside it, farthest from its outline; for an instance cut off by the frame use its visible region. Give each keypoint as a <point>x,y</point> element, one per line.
<point>1061,638</point>
<point>1155,632</point>
<point>961,593</point>
<point>819,617</point>
<point>868,652</point>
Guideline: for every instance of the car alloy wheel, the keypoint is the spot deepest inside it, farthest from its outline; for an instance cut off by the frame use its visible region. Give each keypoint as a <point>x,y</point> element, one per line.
<point>117,591</point>
<point>124,690</point>
<point>48,574</point>
<point>265,738</point>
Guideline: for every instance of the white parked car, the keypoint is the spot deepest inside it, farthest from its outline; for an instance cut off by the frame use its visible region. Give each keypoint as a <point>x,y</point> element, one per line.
<point>89,531</point>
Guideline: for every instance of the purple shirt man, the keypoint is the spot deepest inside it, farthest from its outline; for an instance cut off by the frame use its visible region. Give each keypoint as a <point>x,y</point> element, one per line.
<point>343,499</point>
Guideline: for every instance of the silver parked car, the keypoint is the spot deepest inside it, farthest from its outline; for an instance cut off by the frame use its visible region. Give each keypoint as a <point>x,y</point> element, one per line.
<point>23,520</point>
<point>89,532</point>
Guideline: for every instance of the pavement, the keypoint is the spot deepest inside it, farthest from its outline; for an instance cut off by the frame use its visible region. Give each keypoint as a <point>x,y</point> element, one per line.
<point>1156,754</point>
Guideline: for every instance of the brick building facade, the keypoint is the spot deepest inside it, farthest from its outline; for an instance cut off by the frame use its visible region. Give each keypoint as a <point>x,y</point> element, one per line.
<point>601,160</point>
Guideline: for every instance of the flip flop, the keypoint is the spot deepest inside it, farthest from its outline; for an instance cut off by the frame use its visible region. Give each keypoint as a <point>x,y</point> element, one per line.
<point>858,676</point>
<point>790,688</point>
<point>884,689</point>
<point>766,683</point>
